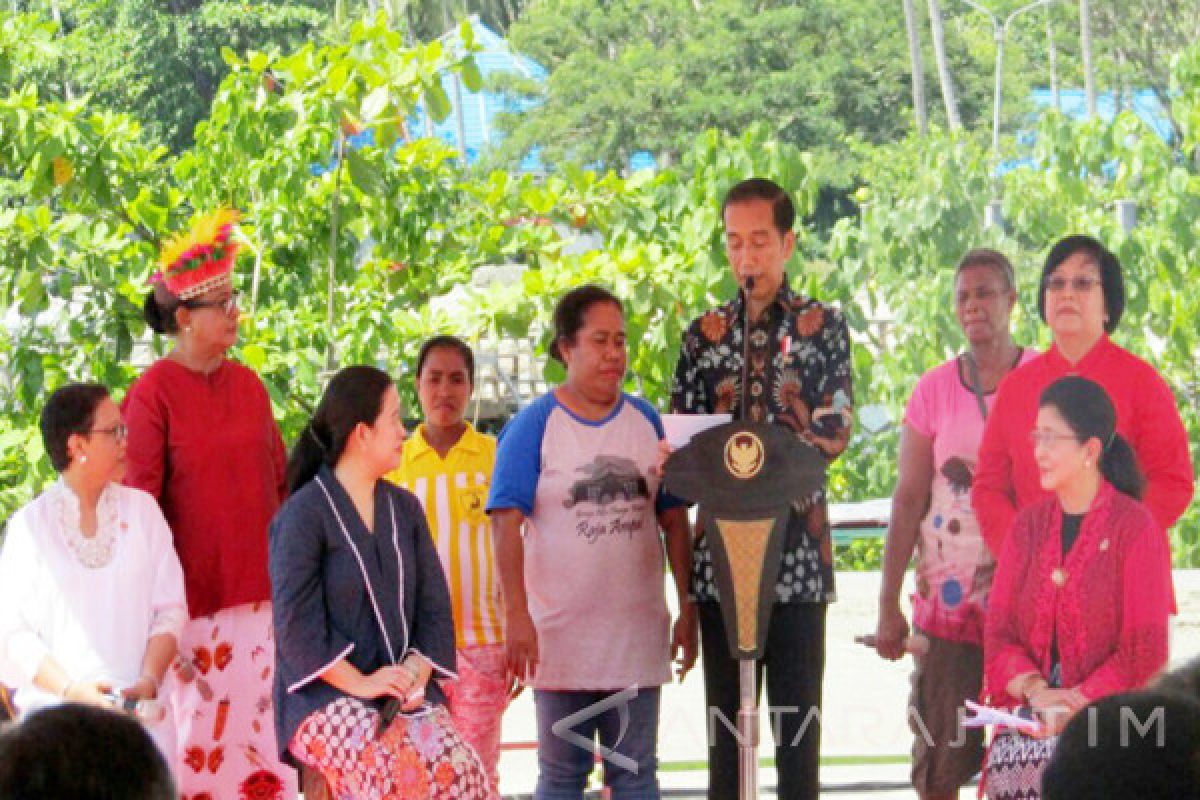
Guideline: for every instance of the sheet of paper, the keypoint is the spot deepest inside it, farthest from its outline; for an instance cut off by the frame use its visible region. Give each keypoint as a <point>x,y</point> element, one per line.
<point>986,715</point>
<point>680,428</point>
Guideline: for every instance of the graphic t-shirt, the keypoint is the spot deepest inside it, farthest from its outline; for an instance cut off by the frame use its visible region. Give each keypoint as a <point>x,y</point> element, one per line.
<point>954,566</point>
<point>593,555</point>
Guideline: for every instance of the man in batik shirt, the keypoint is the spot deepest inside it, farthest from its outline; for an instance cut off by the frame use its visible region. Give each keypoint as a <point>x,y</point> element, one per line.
<point>799,377</point>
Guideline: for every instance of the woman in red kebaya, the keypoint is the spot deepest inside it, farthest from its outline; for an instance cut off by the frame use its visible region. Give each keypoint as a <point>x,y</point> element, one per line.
<point>1081,297</point>
<point>1082,594</point>
<point>203,441</point>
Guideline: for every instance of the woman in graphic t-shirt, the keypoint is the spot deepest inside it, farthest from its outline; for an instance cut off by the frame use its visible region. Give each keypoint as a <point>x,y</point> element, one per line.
<point>577,512</point>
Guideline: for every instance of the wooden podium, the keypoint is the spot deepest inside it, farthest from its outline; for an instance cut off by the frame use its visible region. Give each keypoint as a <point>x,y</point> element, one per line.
<point>744,476</point>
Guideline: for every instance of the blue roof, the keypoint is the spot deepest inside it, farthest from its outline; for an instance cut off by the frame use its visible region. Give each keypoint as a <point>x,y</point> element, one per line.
<point>479,109</point>
<point>1143,102</point>
<point>1072,103</point>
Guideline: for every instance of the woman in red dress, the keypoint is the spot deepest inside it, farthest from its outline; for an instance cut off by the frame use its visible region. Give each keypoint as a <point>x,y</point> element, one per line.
<point>203,441</point>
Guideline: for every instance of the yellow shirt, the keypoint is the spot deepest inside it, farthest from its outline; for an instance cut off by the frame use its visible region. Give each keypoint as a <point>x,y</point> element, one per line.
<point>453,491</point>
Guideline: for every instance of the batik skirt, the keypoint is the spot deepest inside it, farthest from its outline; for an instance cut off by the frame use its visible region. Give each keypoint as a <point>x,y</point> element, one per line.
<point>1014,767</point>
<point>416,757</point>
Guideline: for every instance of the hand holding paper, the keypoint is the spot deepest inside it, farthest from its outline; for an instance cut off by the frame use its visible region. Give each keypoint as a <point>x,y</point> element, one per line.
<point>986,715</point>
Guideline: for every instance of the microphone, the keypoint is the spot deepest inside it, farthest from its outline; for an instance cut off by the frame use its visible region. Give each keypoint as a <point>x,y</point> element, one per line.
<point>747,288</point>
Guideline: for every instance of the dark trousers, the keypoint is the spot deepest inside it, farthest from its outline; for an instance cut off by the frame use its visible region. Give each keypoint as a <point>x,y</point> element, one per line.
<point>794,660</point>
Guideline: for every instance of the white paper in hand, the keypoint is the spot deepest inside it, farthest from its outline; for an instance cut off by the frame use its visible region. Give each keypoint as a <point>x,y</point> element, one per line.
<point>986,715</point>
<point>680,428</point>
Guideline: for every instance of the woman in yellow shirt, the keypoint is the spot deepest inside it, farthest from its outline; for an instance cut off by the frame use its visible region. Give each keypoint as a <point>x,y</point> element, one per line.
<point>448,465</point>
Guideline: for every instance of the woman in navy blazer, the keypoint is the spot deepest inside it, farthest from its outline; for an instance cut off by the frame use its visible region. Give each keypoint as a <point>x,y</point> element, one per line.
<point>362,612</point>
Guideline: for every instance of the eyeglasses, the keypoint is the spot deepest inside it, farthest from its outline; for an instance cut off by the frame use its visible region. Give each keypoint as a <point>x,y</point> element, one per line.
<point>1079,284</point>
<point>227,305</point>
<point>1048,438</point>
<point>119,431</point>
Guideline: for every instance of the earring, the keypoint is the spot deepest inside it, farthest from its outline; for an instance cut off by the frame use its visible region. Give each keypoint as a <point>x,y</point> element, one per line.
<point>1088,464</point>
<point>83,459</point>
<point>187,328</point>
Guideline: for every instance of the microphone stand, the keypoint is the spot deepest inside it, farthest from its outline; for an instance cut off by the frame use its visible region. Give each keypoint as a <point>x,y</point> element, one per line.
<point>747,716</point>
<point>743,403</point>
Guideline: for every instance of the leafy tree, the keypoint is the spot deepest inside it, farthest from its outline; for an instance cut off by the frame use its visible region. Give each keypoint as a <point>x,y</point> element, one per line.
<point>161,59</point>
<point>1141,40</point>
<point>346,259</point>
<point>645,74</point>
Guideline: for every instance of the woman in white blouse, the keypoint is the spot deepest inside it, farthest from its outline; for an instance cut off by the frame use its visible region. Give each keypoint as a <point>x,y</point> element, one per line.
<point>91,591</point>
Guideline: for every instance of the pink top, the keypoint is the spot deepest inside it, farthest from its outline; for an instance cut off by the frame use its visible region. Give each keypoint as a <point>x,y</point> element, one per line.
<point>1110,611</point>
<point>954,567</point>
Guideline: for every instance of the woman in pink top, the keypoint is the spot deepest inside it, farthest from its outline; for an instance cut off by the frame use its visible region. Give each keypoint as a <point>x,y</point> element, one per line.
<point>931,512</point>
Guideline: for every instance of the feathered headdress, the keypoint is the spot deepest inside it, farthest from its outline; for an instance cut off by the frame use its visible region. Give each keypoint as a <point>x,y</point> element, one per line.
<point>200,259</point>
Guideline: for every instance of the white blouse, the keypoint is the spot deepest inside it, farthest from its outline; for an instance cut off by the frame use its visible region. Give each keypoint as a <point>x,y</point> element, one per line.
<point>91,603</point>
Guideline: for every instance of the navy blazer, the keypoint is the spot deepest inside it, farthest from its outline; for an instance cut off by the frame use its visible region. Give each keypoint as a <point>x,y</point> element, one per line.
<point>324,610</point>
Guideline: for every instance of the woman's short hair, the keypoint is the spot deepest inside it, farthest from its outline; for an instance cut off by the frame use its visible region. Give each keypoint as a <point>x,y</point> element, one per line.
<point>987,257</point>
<point>1111,278</point>
<point>570,311</point>
<point>71,409</point>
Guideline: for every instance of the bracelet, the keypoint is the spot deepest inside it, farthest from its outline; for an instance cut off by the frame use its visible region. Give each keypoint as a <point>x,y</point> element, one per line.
<point>413,670</point>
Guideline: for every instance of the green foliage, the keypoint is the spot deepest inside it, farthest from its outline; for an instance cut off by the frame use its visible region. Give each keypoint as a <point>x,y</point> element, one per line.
<point>159,59</point>
<point>392,225</point>
<point>860,555</point>
<point>646,74</point>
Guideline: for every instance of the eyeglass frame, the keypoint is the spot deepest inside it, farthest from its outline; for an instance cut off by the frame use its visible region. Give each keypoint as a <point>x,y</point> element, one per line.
<point>1079,284</point>
<point>226,306</point>
<point>1048,438</point>
<point>120,431</point>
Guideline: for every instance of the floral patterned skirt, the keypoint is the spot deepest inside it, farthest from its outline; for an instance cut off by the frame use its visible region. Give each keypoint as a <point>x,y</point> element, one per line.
<point>417,757</point>
<point>221,691</point>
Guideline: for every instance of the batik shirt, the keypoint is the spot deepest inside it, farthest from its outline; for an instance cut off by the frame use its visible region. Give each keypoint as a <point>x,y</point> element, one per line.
<point>798,377</point>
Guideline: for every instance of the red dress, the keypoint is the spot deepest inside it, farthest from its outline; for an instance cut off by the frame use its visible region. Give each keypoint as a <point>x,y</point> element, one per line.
<point>1006,478</point>
<point>208,448</point>
<point>1110,612</point>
